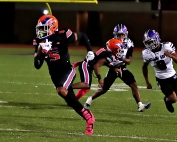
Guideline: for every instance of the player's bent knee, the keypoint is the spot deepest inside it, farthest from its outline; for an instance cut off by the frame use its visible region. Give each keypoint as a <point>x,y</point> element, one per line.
<point>175,97</point>
<point>87,86</point>
<point>62,91</point>
<point>133,86</point>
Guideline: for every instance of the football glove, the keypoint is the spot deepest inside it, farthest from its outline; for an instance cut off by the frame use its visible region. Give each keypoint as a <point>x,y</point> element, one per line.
<point>46,46</point>
<point>117,63</point>
<point>90,56</point>
<point>130,43</point>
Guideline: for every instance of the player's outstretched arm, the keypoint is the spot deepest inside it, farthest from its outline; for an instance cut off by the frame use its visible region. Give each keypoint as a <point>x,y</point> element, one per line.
<point>173,56</point>
<point>145,74</point>
<point>83,37</point>
<point>127,60</point>
<point>38,58</point>
<point>96,67</point>
<point>79,36</point>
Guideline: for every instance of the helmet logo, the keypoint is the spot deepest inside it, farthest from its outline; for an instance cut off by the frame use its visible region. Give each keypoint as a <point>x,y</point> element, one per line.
<point>118,44</point>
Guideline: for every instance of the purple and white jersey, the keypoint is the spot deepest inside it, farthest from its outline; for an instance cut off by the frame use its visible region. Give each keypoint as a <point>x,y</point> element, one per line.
<point>156,59</point>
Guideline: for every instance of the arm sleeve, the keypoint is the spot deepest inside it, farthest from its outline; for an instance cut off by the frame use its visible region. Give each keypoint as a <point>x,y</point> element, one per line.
<point>83,37</point>
<point>117,63</point>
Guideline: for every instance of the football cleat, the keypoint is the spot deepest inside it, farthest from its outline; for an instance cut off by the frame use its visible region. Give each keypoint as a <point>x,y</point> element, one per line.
<point>88,102</point>
<point>89,125</point>
<point>142,107</point>
<point>169,106</point>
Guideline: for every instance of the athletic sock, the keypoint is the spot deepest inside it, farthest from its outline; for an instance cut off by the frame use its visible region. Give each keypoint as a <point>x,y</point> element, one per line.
<point>81,93</point>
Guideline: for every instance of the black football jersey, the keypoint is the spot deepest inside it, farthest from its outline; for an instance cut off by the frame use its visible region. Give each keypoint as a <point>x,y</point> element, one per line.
<point>58,56</point>
<point>102,53</point>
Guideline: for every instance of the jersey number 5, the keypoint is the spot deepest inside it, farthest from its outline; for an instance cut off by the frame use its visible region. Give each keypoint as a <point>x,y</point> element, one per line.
<point>54,56</point>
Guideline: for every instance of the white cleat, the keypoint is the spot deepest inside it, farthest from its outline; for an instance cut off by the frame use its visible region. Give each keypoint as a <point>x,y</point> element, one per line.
<point>142,107</point>
<point>88,102</point>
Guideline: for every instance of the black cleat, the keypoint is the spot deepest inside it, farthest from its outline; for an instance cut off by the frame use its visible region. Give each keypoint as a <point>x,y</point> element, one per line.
<point>147,105</point>
<point>169,106</point>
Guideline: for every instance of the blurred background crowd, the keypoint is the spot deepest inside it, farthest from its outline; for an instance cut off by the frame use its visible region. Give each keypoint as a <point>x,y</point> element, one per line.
<point>18,19</point>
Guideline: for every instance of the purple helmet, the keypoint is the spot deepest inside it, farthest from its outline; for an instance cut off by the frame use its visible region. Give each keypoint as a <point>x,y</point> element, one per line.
<point>151,39</point>
<point>120,29</point>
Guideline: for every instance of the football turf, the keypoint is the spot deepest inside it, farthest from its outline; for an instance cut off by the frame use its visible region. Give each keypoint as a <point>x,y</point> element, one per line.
<point>31,110</point>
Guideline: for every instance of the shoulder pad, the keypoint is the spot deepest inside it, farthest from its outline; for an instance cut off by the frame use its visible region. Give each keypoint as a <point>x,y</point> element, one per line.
<point>144,51</point>
<point>66,32</point>
<point>148,55</point>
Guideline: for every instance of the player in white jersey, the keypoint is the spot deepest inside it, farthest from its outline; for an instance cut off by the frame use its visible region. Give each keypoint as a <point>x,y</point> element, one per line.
<point>160,56</point>
<point>120,32</point>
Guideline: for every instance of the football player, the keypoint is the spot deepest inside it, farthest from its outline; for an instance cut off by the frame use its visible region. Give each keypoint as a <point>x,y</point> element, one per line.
<point>160,56</point>
<point>120,32</point>
<point>103,56</point>
<point>53,48</point>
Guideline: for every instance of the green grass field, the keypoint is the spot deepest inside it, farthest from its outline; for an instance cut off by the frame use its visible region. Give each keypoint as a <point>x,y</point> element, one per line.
<point>35,113</point>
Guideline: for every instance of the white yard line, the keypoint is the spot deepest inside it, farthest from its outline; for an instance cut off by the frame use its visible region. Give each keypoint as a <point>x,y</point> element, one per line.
<point>101,111</point>
<point>14,130</point>
<point>94,135</point>
<point>127,137</point>
<point>3,102</point>
<point>115,87</point>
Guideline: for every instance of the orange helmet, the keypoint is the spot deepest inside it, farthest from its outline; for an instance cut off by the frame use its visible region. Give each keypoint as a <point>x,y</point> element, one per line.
<point>115,45</point>
<point>46,26</point>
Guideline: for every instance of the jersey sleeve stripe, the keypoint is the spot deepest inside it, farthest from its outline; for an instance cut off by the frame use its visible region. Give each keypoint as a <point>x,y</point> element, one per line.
<point>171,45</point>
<point>68,33</point>
<point>173,48</point>
<point>100,51</point>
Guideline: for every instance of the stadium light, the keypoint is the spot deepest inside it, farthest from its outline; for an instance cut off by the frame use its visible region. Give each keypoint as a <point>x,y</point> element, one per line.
<point>45,12</point>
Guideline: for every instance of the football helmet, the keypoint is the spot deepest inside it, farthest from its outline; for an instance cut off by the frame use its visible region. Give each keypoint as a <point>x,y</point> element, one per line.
<point>151,39</point>
<point>116,46</point>
<point>120,29</point>
<point>46,26</point>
